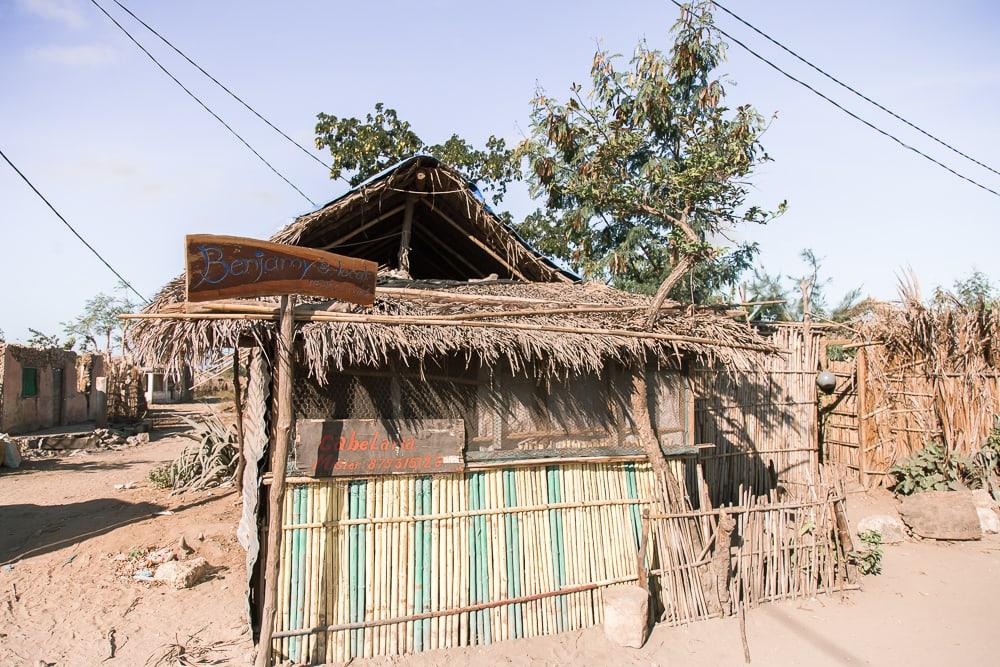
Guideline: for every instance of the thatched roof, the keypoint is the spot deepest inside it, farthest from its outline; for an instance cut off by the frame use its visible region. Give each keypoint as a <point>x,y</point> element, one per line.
<point>338,335</point>
<point>443,311</point>
<point>455,234</point>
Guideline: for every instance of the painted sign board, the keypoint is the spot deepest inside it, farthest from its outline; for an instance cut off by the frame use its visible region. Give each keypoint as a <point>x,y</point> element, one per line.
<point>362,447</point>
<point>221,267</point>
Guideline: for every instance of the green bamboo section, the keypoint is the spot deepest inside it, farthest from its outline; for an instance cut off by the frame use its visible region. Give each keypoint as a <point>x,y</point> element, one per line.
<point>386,549</point>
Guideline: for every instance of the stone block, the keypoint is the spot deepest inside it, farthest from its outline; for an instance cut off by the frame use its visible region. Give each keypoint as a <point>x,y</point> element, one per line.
<point>182,573</point>
<point>942,515</point>
<point>889,527</point>
<point>626,615</point>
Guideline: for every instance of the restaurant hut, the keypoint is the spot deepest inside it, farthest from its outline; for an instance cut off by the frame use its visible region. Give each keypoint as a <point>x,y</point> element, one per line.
<point>499,426</point>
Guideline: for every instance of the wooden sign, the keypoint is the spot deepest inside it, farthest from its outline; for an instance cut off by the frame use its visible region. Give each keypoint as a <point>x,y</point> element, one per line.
<point>231,266</point>
<point>362,447</point>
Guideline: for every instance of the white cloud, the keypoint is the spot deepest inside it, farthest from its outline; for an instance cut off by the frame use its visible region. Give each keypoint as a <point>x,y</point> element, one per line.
<point>64,12</point>
<point>87,55</point>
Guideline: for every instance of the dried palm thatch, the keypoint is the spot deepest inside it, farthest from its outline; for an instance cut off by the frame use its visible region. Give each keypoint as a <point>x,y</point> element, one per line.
<point>211,462</point>
<point>494,296</point>
<point>556,329</point>
<point>931,374</point>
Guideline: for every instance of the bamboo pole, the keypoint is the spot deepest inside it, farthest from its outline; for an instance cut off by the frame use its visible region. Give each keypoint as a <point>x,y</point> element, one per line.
<point>279,461</point>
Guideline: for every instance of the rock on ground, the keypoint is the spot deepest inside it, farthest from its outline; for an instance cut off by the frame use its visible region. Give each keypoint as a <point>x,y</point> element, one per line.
<point>626,615</point>
<point>942,515</point>
<point>182,573</point>
<point>988,520</point>
<point>890,528</point>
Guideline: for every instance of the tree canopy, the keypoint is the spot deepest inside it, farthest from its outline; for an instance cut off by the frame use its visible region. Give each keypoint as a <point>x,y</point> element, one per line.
<point>98,328</point>
<point>366,147</point>
<point>646,170</point>
<point>641,176</point>
<point>766,286</point>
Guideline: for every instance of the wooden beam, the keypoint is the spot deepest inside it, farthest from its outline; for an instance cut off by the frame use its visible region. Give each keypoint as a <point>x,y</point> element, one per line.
<point>404,239</point>
<point>279,462</point>
<point>489,251</point>
<point>441,245</point>
<point>391,212</point>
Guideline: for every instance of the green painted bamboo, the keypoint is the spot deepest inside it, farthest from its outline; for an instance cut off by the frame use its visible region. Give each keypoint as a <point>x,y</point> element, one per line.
<point>633,492</point>
<point>473,562</point>
<point>484,551</point>
<point>295,589</point>
<point>428,562</point>
<point>418,567</point>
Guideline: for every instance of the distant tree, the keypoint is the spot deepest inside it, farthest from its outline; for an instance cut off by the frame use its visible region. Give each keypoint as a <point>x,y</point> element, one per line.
<point>976,289</point>
<point>366,146</point>
<point>764,286</point>
<point>99,328</point>
<point>42,340</point>
<point>645,171</point>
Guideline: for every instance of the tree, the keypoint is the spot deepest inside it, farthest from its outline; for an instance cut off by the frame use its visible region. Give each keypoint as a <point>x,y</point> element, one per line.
<point>765,286</point>
<point>43,340</point>
<point>643,172</point>
<point>366,147</point>
<point>975,290</point>
<point>99,323</point>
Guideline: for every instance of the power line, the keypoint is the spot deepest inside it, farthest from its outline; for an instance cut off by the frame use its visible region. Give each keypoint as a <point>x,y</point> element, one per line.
<point>202,104</point>
<point>847,111</point>
<point>75,233</point>
<point>226,89</point>
<point>853,90</point>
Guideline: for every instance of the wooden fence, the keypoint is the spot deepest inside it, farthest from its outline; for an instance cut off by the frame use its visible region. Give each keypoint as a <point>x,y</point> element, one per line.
<point>395,565</point>
<point>884,410</point>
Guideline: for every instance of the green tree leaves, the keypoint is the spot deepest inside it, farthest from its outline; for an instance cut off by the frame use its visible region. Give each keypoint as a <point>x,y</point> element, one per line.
<point>366,147</point>
<point>648,168</point>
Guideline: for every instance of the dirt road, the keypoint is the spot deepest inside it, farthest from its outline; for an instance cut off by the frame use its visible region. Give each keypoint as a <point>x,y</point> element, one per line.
<point>66,532</point>
<point>66,592</point>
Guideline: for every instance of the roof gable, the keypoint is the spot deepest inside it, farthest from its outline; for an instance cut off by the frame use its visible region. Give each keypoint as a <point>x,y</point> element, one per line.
<point>433,212</point>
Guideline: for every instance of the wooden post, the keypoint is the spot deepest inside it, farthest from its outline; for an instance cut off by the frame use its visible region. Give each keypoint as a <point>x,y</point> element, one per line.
<point>404,239</point>
<point>641,570</point>
<point>238,404</point>
<point>860,401</point>
<point>279,461</point>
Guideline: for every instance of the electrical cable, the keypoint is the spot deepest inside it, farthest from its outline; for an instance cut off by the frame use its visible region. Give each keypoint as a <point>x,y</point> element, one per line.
<point>847,111</point>
<point>202,104</point>
<point>225,88</point>
<point>71,228</point>
<point>853,90</point>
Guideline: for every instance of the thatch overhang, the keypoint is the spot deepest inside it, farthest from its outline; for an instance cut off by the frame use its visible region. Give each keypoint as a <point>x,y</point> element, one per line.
<point>475,290</point>
<point>555,329</point>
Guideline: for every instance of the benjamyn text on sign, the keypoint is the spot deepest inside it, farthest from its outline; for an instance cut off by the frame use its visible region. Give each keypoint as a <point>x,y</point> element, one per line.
<point>230,266</point>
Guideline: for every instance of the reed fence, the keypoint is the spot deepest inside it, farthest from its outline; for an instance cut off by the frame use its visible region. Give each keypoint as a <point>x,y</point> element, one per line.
<point>763,422</point>
<point>394,565</point>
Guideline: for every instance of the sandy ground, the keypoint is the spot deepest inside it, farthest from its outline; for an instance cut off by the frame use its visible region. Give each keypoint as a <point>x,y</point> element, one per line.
<point>65,590</point>
<point>65,530</point>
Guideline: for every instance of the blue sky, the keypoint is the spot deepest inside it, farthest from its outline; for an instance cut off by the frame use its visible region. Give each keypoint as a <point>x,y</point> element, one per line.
<point>134,164</point>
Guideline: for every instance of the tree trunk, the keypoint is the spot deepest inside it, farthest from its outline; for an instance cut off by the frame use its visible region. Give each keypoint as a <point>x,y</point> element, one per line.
<point>682,267</point>
<point>639,402</point>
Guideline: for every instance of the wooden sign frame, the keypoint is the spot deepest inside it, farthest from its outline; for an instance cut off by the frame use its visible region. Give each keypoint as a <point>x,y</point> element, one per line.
<point>233,267</point>
<point>367,447</point>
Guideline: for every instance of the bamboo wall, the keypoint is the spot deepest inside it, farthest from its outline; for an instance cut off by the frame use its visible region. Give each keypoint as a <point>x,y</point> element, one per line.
<point>395,565</point>
<point>407,564</point>
<point>761,423</point>
<point>775,551</point>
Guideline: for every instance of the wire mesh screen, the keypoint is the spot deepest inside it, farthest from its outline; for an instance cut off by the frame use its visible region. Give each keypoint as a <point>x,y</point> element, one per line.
<point>371,395</point>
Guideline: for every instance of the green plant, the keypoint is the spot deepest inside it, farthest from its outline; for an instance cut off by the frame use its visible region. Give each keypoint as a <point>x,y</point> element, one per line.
<point>929,469</point>
<point>869,559</point>
<point>209,463</point>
